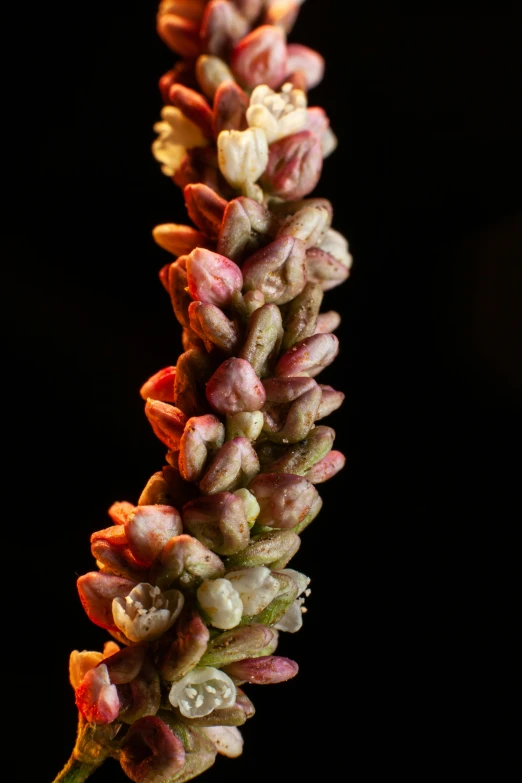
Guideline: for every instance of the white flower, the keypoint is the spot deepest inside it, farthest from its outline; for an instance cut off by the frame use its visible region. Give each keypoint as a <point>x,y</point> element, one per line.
<point>221,602</point>
<point>335,244</point>
<point>250,503</point>
<point>242,155</point>
<point>146,613</point>
<point>177,134</point>
<point>278,114</point>
<point>201,691</point>
<point>227,739</point>
<point>256,587</point>
<point>292,620</point>
<point>81,662</point>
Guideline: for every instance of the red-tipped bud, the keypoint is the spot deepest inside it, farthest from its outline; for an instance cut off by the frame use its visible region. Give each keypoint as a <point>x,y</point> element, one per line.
<point>235,388</point>
<point>148,529</point>
<point>309,356</point>
<point>234,465</point>
<point>110,547</point>
<point>193,106</point>
<point>212,278</point>
<point>218,521</point>
<point>230,105</point>
<point>96,697</point>
<point>151,751</point>
<point>310,62</point>
<point>284,499</point>
<point>167,421</point>
<point>97,592</point>
<point>260,58</point>
<point>294,165</point>
<point>205,208</point>
<point>277,270</point>
<point>181,35</point>
<point>326,468</point>
<point>160,386</point>
<point>266,670</point>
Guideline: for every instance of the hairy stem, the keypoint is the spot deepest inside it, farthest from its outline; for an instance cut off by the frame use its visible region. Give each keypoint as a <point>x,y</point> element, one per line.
<point>77,771</point>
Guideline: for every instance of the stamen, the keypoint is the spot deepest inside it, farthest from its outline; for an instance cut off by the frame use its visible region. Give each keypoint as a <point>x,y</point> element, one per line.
<point>199,700</point>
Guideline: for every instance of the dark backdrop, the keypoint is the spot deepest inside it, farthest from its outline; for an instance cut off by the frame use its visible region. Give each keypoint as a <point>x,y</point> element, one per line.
<point>411,629</point>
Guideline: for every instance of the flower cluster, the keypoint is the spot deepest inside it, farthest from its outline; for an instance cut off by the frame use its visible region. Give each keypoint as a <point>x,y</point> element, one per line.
<point>192,580</point>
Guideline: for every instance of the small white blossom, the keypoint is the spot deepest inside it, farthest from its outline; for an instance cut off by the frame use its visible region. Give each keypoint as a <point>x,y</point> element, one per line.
<point>201,691</point>
<point>250,503</point>
<point>242,156</point>
<point>337,245</point>
<point>278,114</point>
<point>292,620</point>
<point>227,739</point>
<point>221,602</point>
<point>146,613</point>
<point>256,587</point>
<point>177,134</point>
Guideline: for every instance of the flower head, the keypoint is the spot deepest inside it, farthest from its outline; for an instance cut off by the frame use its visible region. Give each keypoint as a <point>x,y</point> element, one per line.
<point>201,691</point>
<point>146,613</point>
<point>278,114</point>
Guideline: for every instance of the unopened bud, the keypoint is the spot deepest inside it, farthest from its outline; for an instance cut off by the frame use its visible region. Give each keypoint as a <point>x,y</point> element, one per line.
<point>263,340</point>
<point>193,106</point>
<point>148,528</point>
<point>167,422</point>
<point>182,648</point>
<point>234,645</point>
<point>205,208</point>
<point>186,561</point>
<point>96,697</point>
<point>309,356</point>
<point>202,435</point>
<point>242,155</point>
<point>177,288</point>
<point>266,549</point>
<point>330,401</point>
<point>302,315</point>
<point>235,388</point>
<point>246,227</point>
<point>294,166</point>
<point>97,592</point>
<point>218,521</point>
<point>277,270</point>
<point>290,424</point>
<point>222,27</point>
<point>260,58</point>
<point>150,751</point>
<point>300,457</point>
<point>120,511</point>
<point>178,240</point>
<point>160,386</point>
<point>230,105</point>
<point>266,670</point>
<point>327,467</point>
<point>327,322</point>
<point>181,35</point>
<point>211,71</point>
<point>283,13</point>
<point>324,269</point>
<point>308,61</point>
<point>193,369</point>
<point>212,277</point>
<point>245,425</point>
<point>284,499</point>
<point>213,327</point>
<point>232,467</point>
<point>309,225</point>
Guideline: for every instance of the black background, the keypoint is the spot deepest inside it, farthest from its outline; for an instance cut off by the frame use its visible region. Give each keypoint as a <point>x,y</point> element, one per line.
<point>409,647</point>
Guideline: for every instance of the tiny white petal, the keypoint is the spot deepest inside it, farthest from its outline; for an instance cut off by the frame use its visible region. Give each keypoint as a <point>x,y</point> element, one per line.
<point>227,739</point>
<point>200,680</point>
<point>256,587</point>
<point>221,602</point>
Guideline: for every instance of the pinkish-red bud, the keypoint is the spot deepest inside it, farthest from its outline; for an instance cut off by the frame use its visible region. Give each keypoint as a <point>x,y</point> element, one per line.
<point>178,240</point>
<point>246,227</point>
<point>176,287</point>
<point>202,435</point>
<point>181,35</point>
<point>326,468</point>
<point>282,13</point>
<point>160,386</point>
<point>185,560</point>
<point>330,401</point>
<point>182,647</point>
<point>230,105</point>
<point>266,670</point>
<point>324,269</point>
<point>151,752</point>
<point>182,73</point>
<point>310,62</point>
<point>213,327</point>
<point>96,697</point>
<point>167,421</point>
<point>110,548</point>
<point>284,499</point>
<point>205,208</point>
<point>193,106</point>
<point>309,356</point>
<point>327,322</point>
<point>124,666</point>
<point>260,58</point>
<point>277,270</point>
<point>148,529</point>
<point>235,388</point>
<point>212,278</point>
<point>294,165</point>
<point>218,521</point>
<point>97,592</point>
<point>232,467</point>
<point>222,26</point>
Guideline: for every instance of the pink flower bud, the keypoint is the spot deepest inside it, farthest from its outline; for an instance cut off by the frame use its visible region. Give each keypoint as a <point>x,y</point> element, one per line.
<point>202,435</point>
<point>235,388</point>
<point>310,62</point>
<point>218,521</point>
<point>300,457</point>
<point>284,499</point>
<point>212,278</point>
<point>160,386</point>
<point>324,269</point>
<point>151,751</point>
<point>167,421</point>
<point>205,208</point>
<point>271,549</point>
<point>124,665</point>
<point>309,356</point>
<point>237,644</point>
<point>110,548</point>
<point>277,270</point>
<point>282,13</point>
<point>294,165</point>
<point>302,314</point>
<point>222,26</point>
<point>266,670</point>
<point>213,327</point>
<point>119,511</point>
<point>327,322</point>
<point>330,401</point>
<point>186,560</point>
<point>260,58</point>
<point>234,465</point>
<point>181,35</point>
<point>178,240</point>
<point>140,697</point>
<point>290,424</point>
<point>148,529</point>
<point>246,227</point>
<point>326,468</point>
<point>263,340</point>
<point>97,592</point>
<point>318,123</point>
<point>96,698</point>
<point>193,106</point>
<point>182,648</point>
<point>230,105</point>
<point>177,285</point>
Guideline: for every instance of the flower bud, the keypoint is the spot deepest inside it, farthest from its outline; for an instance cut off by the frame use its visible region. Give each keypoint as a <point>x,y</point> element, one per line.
<point>318,123</point>
<point>110,550</point>
<point>227,739</point>
<point>235,388</point>
<point>283,424</point>
<point>201,691</point>
<point>178,240</point>
<point>308,224</point>
<point>285,209</point>
<point>146,613</point>
<point>283,13</point>
<point>324,269</point>
<point>294,165</point>
<point>150,751</point>
<point>156,491</point>
<point>200,750</point>
<point>177,289</point>
<point>194,107</point>
<point>327,467</point>
<point>300,457</point>
<point>213,327</point>
<point>302,314</point>
<point>212,278</point>
<point>327,322</point>
<point>211,71</point>
<point>181,35</point>
<point>181,73</point>
<point>245,425</point>
<point>218,521</point>
<point>81,662</point>
<point>186,561</point>
<point>167,421</point>
<point>234,645</point>
<point>148,528</point>
<point>266,549</point>
<point>277,270</point>
<point>230,105</point>
<point>96,697</point>
<point>232,467</point>
<point>160,386</point>
<point>260,58</point>
<point>124,665</point>
<point>284,499</point>
<point>205,208</point>
<point>263,340</point>
<point>193,369</point>
<point>277,114</point>
<point>337,246</point>
<point>330,401</point>
<point>183,649</point>
<point>246,227</point>
<point>97,592</point>
<point>267,670</point>
<point>309,356</point>
<point>119,511</point>
<point>222,27</point>
<point>202,435</point>
<point>242,155</point>
<point>310,62</point>
<point>220,602</point>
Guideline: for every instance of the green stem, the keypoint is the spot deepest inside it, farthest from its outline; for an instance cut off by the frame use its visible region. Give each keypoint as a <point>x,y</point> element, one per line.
<point>93,745</point>
<point>76,771</point>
